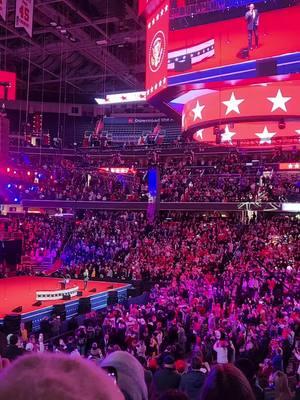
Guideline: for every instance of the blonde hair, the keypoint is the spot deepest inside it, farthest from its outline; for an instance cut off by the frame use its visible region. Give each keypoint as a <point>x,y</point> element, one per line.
<point>282,390</point>
<point>49,376</point>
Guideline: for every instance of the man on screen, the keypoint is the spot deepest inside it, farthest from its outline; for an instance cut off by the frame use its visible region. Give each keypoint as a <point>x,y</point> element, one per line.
<point>252,19</point>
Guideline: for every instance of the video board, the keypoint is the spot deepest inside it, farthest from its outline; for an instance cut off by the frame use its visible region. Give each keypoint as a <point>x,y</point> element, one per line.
<point>157,26</point>
<point>254,35</point>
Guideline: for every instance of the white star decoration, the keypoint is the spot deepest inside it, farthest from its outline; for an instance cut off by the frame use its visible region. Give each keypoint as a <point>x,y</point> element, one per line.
<point>265,136</point>
<point>198,111</point>
<point>297,131</point>
<point>199,134</point>
<point>227,135</point>
<point>157,16</point>
<point>232,104</point>
<point>294,166</point>
<point>279,101</point>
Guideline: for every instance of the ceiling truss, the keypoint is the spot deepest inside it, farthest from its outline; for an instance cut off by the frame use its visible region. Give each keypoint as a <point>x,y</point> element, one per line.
<point>84,68</point>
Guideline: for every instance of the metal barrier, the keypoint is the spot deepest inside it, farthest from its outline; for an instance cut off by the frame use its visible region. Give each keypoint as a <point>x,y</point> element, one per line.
<point>142,206</point>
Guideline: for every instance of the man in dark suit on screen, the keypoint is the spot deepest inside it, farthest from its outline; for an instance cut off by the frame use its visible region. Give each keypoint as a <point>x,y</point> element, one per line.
<point>252,19</point>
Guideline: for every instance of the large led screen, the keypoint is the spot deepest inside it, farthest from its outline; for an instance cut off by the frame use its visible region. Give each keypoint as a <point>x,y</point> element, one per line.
<point>157,49</point>
<point>226,42</point>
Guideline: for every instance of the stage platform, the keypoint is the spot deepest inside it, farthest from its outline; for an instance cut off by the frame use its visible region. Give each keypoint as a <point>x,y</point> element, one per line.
<point>21,291</point>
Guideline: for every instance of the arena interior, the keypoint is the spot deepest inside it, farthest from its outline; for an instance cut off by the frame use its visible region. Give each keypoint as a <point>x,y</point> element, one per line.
<point>149,200</point>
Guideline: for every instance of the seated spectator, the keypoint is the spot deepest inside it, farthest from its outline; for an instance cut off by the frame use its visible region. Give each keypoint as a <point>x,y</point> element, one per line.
<point>49,377</point>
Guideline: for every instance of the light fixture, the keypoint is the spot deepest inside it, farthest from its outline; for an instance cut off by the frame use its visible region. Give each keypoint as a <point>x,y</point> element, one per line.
<point>53,23</point>
<point>117,98</point>
<point>72,39</point>
<point>63,31</point>
<point>101,42</point>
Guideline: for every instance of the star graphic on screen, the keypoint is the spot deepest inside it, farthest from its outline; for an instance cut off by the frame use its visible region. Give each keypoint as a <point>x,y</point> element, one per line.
<point>232,104</point>
<point>297,131</point>
<point>227,135</point>
<point>198,111</point>
<point>199,134</point>
<point>265,136</point>
<point>279,101</point>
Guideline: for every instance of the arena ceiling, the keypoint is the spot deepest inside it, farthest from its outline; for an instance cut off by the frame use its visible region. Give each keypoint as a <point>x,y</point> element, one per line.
<point>79,49</point>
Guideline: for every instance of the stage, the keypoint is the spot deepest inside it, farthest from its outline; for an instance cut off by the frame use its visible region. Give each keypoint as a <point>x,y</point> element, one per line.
<point>21,291</point>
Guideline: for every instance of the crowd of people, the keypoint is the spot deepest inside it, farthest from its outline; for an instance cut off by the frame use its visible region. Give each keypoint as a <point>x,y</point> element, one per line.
<point>188,178</point>
<point>124,245</point>
<point>43,239</point>
<point>224,305</point>
<point>220,318</point>
<point>190,184</point>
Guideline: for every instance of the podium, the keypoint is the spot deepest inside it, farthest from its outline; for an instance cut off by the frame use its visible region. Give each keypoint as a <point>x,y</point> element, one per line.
<point>56,294</point>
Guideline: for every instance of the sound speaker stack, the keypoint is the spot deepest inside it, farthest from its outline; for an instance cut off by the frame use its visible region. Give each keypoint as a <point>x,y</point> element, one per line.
<point>17,309</point>
<point>11,323</point>
<point>112,298</point>
<point>84,306</point>
<point>60,310</point>
<point>266,67</point>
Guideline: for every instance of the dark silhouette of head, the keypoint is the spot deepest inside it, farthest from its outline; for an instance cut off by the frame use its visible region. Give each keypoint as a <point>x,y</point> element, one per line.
<point>226,382</point>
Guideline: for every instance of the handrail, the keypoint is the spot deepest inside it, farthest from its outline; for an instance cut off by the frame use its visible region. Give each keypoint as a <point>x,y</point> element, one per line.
<point>164,206</point>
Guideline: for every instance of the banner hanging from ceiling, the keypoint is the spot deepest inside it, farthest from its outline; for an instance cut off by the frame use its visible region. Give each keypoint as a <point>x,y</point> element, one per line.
<point>157,27</point>
<point>8,85</point>
<point>3,9</point>
<point>24,15</point>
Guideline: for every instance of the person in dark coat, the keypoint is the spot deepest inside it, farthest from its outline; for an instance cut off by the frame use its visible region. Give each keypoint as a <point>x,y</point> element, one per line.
<point>13,351</point>
<point>191,383</point>
<point>165,378</point>
<point>252,19</point>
